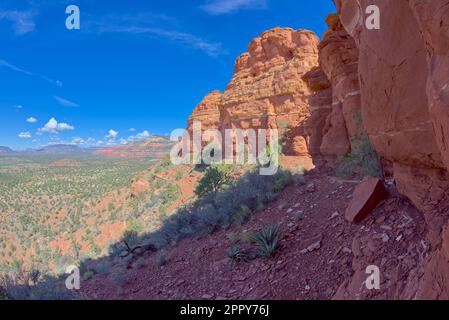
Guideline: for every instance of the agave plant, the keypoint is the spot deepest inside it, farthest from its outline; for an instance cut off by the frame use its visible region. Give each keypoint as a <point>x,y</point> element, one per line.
<point>237,255</point>
<point>267,241</point>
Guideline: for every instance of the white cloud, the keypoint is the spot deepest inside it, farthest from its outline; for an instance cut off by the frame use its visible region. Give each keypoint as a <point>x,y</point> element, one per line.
<point>52,126</point>
<point>25,135</point>
<point>89,142</point>
<point>65,103</point>
<point>140,136</point>
<point>112,134</point>
<point>143,135</point>
<point>219,7</point>
<point>22,21</point>
<point>31,120</point>
<point>132,130</point>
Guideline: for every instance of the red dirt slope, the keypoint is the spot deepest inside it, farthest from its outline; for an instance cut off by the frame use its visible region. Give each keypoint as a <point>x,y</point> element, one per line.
<point>319,256</point>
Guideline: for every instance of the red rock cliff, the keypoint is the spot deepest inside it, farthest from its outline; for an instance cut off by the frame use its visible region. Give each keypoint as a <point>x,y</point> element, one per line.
<point>404,89</point>
<point>267,90</point>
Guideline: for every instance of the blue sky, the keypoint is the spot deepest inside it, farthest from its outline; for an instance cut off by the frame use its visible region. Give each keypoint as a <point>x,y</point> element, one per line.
<point>134,64</point>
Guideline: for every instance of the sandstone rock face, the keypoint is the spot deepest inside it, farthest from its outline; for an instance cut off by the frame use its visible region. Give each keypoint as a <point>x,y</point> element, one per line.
<point>207,112</point>
<point>433,23</point>
<point>320,108</point>
<point>337,102</point>
<point>393,70</point>
<point>267,90</point>
<point>404,86</point>
<point>339,61</point>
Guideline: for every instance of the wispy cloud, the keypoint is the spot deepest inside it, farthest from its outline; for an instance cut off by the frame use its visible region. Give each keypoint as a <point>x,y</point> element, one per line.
<point>210,48</point>
<point>6,64</point>
<point>65,103</point>
<point>78,141</point>
<point>53,126</point>
<point>156,25</point>
<point>31,120</point>
<point>219,7</point>
<point>22,21</point>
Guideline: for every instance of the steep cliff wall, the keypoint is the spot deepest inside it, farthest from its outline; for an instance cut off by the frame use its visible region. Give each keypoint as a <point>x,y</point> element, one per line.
<point>339,102</point>
<point>402,70</point>
<point>400,109</point>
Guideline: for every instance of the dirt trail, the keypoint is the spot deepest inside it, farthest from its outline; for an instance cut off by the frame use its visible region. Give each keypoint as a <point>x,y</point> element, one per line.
<point>319,250</point>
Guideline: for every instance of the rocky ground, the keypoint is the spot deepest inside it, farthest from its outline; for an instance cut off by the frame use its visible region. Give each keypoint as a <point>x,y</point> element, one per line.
<point>321,255</point>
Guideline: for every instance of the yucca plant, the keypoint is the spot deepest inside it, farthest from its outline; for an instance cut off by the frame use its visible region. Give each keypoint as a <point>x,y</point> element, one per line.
<point>237,255</point>
<point>268,241</point>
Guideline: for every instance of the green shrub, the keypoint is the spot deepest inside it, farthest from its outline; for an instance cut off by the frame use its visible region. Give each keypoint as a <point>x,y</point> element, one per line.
<point>47,288</point>
<point>120,278</point>
<point>215,177</point>
<point>241,215</point>
<point>233,237</point>
<point>87,275</point>
<point>3,294</point>
<point>363,161</point>
<point>267,241</point>
<point>102,267</point>
<point>161,259</point>
<point>299,180</point>
<point>282,179</point>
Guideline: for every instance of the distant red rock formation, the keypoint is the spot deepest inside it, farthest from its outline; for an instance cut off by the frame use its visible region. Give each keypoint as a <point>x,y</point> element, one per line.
<point>154,147</point>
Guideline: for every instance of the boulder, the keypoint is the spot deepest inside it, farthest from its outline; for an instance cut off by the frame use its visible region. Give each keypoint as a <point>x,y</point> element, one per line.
<point>365,199</point>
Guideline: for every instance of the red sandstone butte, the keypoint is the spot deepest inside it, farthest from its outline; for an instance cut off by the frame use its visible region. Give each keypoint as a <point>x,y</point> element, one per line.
<point>267,90</point>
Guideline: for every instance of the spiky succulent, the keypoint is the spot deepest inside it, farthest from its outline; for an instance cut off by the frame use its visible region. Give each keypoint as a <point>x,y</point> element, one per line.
<point>267,240</point>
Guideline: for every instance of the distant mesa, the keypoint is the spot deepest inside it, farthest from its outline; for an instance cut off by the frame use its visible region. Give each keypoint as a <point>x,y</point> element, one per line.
<point>5,150</point>
<point>153,147</point>
<point>61,149</point>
